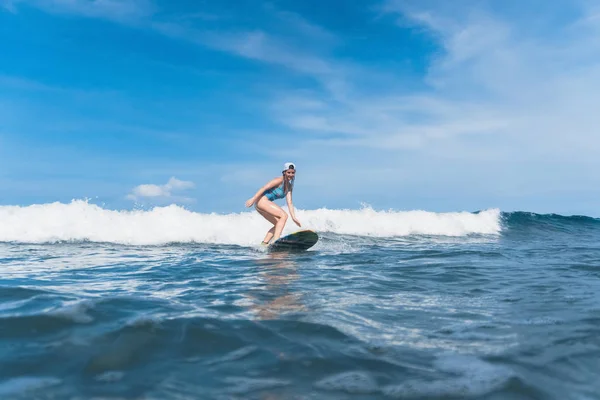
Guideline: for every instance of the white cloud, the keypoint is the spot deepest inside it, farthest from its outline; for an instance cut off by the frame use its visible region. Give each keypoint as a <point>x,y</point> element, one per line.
<point>176,184</point>
<point>532,90</point>
<point>505,96</point>
<point>541,85</point>
<point>149,190</point>
<point>494,76</point>
<point>161,192</point>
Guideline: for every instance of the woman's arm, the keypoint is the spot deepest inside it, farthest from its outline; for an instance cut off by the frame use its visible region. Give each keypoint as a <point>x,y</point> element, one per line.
<point>269,185</point>
<point>288,198</point>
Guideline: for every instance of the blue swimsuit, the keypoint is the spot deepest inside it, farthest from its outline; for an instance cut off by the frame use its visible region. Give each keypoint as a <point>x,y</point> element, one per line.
<point>277,192</point>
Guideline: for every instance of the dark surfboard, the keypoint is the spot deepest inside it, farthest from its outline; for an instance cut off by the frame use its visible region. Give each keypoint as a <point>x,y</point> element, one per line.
<point>297,241</point>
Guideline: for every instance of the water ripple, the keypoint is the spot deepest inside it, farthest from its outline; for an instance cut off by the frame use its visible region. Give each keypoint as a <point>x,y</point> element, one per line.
<point>412,317</point>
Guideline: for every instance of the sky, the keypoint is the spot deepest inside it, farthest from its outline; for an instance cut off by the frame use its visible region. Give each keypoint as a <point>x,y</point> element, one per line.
<point>397,104</point>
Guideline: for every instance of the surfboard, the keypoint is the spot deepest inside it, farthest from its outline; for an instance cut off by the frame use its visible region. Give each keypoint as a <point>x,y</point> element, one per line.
<point>297,241</point>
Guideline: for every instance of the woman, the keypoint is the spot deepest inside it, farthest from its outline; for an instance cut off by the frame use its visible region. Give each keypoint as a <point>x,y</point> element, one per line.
<point>277,188</point>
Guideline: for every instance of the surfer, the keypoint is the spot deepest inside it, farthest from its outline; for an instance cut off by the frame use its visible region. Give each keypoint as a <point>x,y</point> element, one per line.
<point>277,188</point>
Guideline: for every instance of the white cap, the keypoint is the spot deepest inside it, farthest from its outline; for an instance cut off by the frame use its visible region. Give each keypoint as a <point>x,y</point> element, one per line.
<point>289,165</point>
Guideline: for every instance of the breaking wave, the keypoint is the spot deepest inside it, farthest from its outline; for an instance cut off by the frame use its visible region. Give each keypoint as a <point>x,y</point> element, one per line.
<point>82,221</point>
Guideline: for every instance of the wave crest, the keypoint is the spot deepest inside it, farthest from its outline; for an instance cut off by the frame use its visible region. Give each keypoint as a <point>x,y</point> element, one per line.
<point>82,221</point>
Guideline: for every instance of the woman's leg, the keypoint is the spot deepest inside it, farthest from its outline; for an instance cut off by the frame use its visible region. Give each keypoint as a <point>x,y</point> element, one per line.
<point>272,220</point>
<point>279,217</point>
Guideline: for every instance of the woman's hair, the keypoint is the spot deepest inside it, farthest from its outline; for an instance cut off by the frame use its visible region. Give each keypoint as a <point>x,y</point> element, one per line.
<point>287,186</point>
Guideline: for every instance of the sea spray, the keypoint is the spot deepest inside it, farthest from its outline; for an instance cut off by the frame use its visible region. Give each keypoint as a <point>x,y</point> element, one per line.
<point>83,221</point>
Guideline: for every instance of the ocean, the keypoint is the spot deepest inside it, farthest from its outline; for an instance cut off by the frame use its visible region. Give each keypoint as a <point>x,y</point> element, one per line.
<point>172,304</point>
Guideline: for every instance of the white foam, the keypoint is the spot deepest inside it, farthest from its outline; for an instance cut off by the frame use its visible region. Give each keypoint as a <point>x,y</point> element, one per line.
<point>82,221</point>
<point>367,221</point>
<point>474,377</point>
<point>74,311</point>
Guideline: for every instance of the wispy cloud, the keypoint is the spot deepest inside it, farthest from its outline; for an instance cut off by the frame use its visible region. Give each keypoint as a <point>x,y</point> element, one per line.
<point>488,74</point>
<point>116,10</point>
<point>267,48</point>
<point>387,121</point>
<point>504,102</point>
<point>492,77</point>
<point>501,93</point>
<point>292,51</point>
<point>162,193</point>
<point>303,28</point>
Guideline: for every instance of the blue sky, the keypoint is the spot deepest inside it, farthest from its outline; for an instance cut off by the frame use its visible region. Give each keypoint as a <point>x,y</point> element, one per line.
<point>435,105</point>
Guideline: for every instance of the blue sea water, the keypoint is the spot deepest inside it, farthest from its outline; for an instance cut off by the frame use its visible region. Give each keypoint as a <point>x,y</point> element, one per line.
<point>171,304</point>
